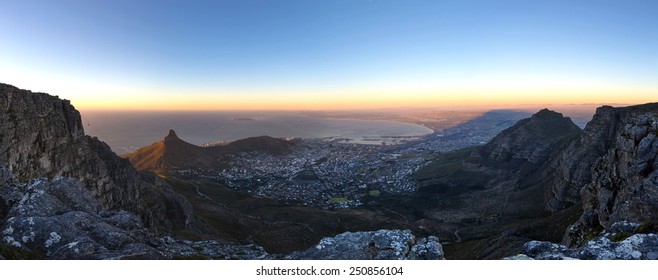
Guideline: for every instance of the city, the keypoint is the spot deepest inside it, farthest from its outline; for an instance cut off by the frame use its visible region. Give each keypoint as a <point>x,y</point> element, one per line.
<point>334,173</point>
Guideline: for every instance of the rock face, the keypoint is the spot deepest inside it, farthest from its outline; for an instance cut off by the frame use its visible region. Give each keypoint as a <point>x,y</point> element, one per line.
<point>42,136</point>
<point>62,220</point>
<point>373,245</point>
<point>574,166</point>
<point>613,168</point>
<point>639,246</point>
<point>624,178</point>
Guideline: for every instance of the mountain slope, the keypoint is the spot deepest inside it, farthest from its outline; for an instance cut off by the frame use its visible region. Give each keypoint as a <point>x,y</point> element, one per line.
<point>501,179</point>
<point>493,198</point>
<point>264,144</point>
<point>173,153</point>
<point>529,141</point>
<point>614,165</point>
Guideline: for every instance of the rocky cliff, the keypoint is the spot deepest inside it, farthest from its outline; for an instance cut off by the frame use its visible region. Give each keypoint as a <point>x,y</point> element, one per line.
<point>41,136</point>
<point>623,182</point>
<point>613,170</point>
<point>574,164</point>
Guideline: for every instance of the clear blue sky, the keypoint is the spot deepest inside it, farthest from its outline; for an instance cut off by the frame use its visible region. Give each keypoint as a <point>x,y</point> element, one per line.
<point>237,51</point>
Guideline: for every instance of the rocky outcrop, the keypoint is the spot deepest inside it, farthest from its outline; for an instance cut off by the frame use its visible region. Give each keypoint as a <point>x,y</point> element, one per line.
<point>41,136</point>
<point>624,178</point>
<point>60,219</point>
<point>616,244</point>
<point>373,245</point>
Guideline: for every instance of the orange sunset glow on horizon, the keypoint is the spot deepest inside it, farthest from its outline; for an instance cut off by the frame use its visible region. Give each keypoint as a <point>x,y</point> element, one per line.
<point>332,56</point>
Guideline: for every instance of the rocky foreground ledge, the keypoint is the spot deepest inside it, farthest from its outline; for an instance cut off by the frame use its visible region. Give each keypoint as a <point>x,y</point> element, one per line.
<point>60,219</point>
<point>624,241</point>
<point>374,245</point>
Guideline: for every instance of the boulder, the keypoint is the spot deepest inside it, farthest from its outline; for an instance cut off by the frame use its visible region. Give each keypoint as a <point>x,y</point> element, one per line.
<point>373,245</point>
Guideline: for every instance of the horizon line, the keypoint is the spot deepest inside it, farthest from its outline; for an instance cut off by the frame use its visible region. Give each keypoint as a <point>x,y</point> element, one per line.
<point>439,107</point>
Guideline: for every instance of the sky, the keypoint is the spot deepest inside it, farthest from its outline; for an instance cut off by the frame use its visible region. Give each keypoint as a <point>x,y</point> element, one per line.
<point>324,54</point>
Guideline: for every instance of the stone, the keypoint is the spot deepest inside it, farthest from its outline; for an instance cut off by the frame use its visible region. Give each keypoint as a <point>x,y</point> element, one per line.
<point>61,219</point>
<point>373,245</point>
<point>519,257</point>
<point>427,249</point>
<point>635,247</point>
<point>623,226</point>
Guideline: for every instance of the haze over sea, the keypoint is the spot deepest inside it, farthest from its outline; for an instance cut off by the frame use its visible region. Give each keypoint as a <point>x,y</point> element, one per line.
<point>125,131</point>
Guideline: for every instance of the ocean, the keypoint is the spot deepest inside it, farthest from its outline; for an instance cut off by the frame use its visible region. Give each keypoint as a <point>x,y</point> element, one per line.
<point>125,131</point>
